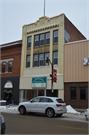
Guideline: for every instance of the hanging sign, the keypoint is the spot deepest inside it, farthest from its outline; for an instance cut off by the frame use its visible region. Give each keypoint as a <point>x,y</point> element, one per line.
<point>54,75</point>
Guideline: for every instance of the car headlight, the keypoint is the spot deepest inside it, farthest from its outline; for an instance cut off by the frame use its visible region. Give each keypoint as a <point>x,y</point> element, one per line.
<point>2,120</point>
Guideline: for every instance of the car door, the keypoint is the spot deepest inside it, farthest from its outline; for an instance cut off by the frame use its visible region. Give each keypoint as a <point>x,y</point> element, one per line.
<point>33,105</point>
<point>43,104</point>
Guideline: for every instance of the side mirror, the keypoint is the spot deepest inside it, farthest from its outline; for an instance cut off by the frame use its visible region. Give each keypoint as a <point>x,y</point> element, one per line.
<point>31,101</point>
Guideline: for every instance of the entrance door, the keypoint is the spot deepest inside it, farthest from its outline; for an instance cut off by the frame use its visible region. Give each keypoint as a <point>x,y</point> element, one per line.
<point>8,95</point>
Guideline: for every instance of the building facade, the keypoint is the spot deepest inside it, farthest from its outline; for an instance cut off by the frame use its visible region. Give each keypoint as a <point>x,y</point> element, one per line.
<point>10,71</point>
<point>45,38</point>
<point>76,74</point>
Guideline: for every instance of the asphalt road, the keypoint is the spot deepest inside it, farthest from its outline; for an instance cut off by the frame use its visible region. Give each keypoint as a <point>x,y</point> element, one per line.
<point>38,124</point>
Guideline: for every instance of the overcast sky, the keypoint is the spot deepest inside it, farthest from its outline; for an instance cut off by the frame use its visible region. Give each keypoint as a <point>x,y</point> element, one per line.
<point>16,13</point>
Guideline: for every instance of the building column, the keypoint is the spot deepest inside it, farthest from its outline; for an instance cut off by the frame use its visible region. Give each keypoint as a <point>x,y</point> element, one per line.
<point>51,46</point>
<point>32,46</point>
<point>61,94</point>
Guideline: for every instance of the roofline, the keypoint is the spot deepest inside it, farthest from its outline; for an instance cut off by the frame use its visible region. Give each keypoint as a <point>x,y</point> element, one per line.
<point>13,43</point>
<point>76,41</point>
<point>10,45</point>
<point>44,17</point>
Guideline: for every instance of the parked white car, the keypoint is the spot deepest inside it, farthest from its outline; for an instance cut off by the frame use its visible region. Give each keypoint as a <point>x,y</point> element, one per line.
<point>87,114</point>
<point>42,104</point>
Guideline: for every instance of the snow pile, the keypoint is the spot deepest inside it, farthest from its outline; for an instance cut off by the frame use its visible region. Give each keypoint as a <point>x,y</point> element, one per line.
<point>71,110</point>
<point>9,109</point>
<point>3,101</point>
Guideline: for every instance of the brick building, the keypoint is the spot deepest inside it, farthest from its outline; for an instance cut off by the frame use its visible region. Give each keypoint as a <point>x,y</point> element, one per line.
<point>45,38</point>
<point>10,70</point>
<point>76,74</point>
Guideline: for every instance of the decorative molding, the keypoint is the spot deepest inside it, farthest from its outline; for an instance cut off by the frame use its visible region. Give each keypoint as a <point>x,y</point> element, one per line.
<point>43,28</point>
<point>6,60</point>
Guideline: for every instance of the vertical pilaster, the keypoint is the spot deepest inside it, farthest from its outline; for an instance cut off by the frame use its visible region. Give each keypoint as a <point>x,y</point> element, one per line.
<point>51,45</point>
<point>24,48</point>
<point>32,45</point>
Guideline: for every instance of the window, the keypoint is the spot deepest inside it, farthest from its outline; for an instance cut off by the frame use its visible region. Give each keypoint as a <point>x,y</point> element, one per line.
<point>59,100</point>
<point>46,55</point>
<point>10,66</point>
<point>42,39</point>
<point>41,60</point>
<point>3,67</point>
<point>35,60</point>
<point>55,36</point>
<point>82,93</point>
<point>46,100</point>
<point>36,40</point>
<point>35,100</point>
<point>55,57</point>
<point>48,38</point>
<point>73,93</point>
<point>28,61</point>
<point>29,42</point>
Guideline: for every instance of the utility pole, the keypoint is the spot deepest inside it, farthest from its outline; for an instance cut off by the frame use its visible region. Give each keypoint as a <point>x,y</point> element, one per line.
<point>51,75</point>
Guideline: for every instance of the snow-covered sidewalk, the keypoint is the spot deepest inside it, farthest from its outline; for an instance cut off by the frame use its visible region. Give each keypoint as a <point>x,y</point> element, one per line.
<point>71,113</point>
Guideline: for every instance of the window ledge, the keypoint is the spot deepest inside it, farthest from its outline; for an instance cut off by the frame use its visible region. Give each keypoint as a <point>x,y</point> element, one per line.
<point>6,73</point>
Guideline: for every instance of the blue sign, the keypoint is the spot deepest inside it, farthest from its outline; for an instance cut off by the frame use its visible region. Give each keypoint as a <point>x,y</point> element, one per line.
<point>39,82</point>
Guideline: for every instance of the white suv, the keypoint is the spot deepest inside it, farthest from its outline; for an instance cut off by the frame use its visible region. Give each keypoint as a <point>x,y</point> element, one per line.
<point>42,104</point>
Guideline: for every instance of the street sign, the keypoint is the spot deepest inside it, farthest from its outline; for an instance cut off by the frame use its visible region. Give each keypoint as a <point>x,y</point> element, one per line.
<point>54,75</point>
<point>39,82</point>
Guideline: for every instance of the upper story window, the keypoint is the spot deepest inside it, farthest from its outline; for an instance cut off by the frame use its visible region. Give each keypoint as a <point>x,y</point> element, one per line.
<point>55,57</point>
<point>41,60</point>
<point>55,36</point>
<point>28,61</point>
<point>36,60</point>
<point>36,40</point>
<point>42,39</point>
<point>10,66</point>
<point>29,42</point>
<point>3,67</point>
<point>48,38</point>
<point>46,55</point>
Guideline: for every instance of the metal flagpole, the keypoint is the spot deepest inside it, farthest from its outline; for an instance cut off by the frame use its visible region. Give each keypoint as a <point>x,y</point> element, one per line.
<point>44,7</point>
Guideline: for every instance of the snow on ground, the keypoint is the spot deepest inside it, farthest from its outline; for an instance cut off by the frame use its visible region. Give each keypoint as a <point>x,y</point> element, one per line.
<point>71,110</point>
<point>71,113</point>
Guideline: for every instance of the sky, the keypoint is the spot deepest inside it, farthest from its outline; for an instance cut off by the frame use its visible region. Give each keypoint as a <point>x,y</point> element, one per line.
<point>16,13</point>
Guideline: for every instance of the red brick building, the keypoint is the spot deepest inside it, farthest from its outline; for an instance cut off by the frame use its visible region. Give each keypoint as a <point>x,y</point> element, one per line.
<point>10,70</point>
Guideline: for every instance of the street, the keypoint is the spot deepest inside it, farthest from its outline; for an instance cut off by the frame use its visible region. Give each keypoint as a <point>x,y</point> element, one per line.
<point>40,124</point>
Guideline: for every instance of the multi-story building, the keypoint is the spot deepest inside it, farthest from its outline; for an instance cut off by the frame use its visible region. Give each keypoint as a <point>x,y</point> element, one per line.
<point>45,38</point>
<point>76,74</point>
<point>10,70</point>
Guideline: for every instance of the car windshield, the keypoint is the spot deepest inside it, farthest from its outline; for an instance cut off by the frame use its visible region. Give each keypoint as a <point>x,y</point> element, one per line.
<point>59,100</point>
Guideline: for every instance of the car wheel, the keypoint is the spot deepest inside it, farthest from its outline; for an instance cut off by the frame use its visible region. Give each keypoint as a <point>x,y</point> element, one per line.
<point>22,110</point>
<point>50,112</point>
<point>59,115</point>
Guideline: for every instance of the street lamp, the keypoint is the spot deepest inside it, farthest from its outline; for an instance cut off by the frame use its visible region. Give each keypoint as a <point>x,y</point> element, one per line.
<point>51,75</point>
